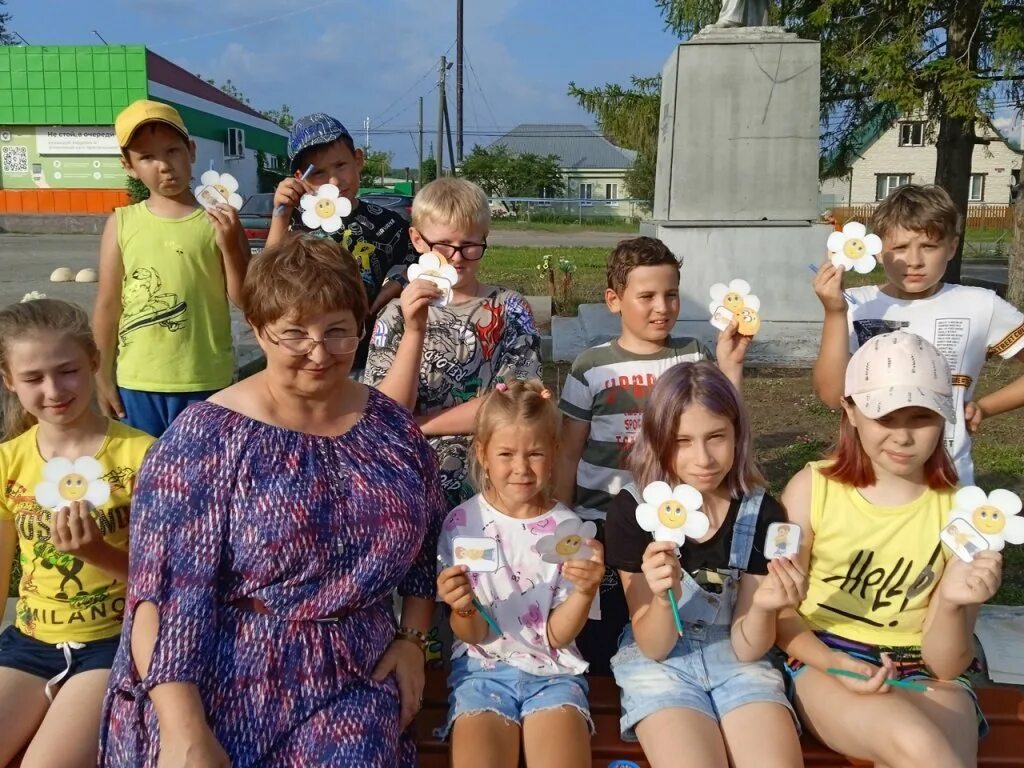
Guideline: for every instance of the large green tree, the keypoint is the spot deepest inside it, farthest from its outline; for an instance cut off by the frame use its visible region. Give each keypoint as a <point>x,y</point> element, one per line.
<point>500,173</point>
<point>376,167</point>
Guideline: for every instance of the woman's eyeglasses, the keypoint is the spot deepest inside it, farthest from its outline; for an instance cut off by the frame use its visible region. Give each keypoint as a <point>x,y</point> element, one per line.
<point>469,251</point>
<point>298,346</point>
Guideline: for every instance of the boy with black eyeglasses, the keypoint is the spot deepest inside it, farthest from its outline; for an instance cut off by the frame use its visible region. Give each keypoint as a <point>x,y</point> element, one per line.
<point>482,336</point>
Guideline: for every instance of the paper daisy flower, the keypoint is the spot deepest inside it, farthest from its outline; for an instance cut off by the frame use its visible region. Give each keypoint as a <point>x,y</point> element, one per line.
<point>325,209</point>
<point>432,265</point>
<point>996,515</point>
<point>566,543</point>
<point>672,514</point>
<point>65,481</point>
<point>224,184</point>
<point>854,248</point>
<point>734,297</point>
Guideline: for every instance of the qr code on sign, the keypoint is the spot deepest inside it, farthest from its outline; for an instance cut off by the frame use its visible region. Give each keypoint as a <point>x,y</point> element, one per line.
<point>14,159</point>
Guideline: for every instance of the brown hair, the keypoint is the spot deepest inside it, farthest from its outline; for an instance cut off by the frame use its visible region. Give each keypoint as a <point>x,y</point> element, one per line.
<point>637,252</point>
<point>921,208</point>
<point>28,318</point>
<point>523,403</point>
<point>302,277</point>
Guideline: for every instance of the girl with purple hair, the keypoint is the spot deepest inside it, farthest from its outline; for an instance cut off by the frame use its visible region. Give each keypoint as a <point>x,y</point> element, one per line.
<point>699,691</point>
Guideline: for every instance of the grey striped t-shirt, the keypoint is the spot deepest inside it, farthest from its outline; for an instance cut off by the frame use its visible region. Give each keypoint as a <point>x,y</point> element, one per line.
<point>608,387</point>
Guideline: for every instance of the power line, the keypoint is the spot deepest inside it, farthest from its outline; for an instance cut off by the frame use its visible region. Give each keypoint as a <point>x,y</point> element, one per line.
<point>430,70</point>
<point>255,23</point>
<point>476,79</point>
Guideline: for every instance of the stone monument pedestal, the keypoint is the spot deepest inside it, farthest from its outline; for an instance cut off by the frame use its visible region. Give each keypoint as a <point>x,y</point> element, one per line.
<point>737,178</point>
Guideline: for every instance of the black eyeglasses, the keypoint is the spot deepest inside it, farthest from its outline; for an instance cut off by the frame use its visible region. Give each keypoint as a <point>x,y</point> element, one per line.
<point>469,251</point>
<point>298,346</point>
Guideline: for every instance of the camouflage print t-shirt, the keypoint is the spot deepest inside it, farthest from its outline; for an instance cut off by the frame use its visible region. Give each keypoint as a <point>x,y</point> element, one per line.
<point>469,346</point>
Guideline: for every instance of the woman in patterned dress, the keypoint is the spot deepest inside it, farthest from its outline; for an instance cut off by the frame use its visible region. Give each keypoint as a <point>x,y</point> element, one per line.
<point>271,525</point>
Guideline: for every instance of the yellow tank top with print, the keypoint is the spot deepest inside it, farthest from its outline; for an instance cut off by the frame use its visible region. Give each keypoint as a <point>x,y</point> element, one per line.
<point>872,568</point>
<point>175,329</point>
<point>60,597</point>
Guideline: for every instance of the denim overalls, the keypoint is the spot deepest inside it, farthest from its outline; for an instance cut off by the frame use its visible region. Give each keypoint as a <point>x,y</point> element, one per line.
<point>702,671</point>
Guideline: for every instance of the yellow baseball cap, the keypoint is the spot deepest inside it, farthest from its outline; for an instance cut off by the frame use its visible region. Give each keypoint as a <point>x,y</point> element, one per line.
<point>143,111</point>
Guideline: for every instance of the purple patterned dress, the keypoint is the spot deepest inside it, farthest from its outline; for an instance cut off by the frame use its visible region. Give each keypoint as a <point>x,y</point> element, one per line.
<point>227,508</point>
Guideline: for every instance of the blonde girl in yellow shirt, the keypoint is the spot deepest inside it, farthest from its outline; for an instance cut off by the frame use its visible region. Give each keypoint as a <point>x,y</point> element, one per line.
<point>66,475</point>
<point>885,601</point>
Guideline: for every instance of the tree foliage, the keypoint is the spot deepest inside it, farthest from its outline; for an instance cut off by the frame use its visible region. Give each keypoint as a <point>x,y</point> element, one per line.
<point>500,173</point>
<point>629,118</point>
<point>6,36</point>
<point>429,171</point>
<point>376,167</point>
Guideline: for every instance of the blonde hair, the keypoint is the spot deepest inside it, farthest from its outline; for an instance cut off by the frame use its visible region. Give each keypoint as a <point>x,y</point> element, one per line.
<point>924,208</point>
<point>34,317</point>
<point>451,202</point>
<point>523,403</point>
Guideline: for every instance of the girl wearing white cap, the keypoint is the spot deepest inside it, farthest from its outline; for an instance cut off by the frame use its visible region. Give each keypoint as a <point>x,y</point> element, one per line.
<point>879,648</point>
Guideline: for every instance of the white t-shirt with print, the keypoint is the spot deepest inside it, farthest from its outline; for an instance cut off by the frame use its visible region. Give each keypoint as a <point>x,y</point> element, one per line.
<point>521,594</point>
<point>966,324</point>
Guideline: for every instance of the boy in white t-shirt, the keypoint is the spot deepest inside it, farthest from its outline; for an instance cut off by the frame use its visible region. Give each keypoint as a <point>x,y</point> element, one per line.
<point>918,226</point>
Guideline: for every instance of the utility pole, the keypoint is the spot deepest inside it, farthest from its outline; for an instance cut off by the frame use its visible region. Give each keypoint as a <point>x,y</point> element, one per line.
<point>448,130</point>
<point>441,109</point>
<point>459,41</point>
<point>419,175</point>
<point>366,127</point>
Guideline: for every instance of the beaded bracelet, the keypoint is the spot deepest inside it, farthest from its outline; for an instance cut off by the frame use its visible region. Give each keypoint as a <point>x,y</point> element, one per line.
<point>466,612</point>
<point>414,636</point>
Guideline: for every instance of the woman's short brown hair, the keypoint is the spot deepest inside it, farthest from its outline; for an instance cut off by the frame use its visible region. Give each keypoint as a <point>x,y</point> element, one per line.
<point>301,278</point>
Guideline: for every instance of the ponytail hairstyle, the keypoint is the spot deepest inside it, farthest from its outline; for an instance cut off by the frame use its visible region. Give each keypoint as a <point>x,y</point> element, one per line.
<point>652,456</point>
<point>36,317</point>
<point>520,403</point>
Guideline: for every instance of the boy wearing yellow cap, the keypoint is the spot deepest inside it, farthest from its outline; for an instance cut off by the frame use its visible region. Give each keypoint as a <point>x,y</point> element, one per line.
<point>167,269</point>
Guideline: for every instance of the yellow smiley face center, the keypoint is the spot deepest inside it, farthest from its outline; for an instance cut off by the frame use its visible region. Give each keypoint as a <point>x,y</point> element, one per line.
<point>672,514</point>
<point>988,519</point>
<point>325,208</point>
<point>749,322</point>
<point>72,487</point>
<point>732,301</point>
<point>854,248</point>
<point>568,545</point>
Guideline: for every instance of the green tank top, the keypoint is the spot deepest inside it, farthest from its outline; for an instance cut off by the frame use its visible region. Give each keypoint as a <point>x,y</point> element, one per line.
<point>175,329</point>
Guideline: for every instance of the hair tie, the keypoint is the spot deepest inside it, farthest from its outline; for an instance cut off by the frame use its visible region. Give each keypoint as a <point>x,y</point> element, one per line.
<point>545,393</point>
<point>501,387</point>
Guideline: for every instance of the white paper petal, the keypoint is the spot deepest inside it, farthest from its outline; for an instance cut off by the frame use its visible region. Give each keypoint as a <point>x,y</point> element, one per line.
<point>333,224</point>
<point>588,530</point>
<point>414,271</point>
<point>657,492</point>
<point>753,302</point>
<point>88,467</point>
<point>229,182</point>
<point>584,553</point>
<point>236,201</point>
<point>961,514</point>
<point>1007,501</point>
<point>742,287</point>
<point>329,191</point>
<point>429,261</point>
<point>546,545</point>
<point>98,493</point>
<point>840,260</point>
<point>675,535</point>
<point>647,517</point>
<point>307,202</point>
<point>210,177</point>
<point>1014,530</point>
<point>449,273</point>
<point>56,468</point>
<point>689,496</point>
<point>996,541</point>
<point>713,307</point>
<point>696,525</point>
<point>873,243</point>
<point>344,206</point>
<point>855,229</point>
<point>836,241</point>
<point>969,498</point>
<point>864,264</point>
<point>550,557</point>
<point>310,219</point>
<point>565,528</point>
<point>47,495</point>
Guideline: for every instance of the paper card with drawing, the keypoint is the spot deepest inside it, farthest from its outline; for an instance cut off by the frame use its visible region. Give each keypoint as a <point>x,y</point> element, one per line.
<point>434,268</point>
<point>963,539</point>
<point>735,302</point>
<point>782,540</point>
<point>478,553</point>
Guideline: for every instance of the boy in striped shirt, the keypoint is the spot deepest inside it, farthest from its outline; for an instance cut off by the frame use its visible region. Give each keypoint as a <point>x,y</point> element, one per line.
<point>603,401</point>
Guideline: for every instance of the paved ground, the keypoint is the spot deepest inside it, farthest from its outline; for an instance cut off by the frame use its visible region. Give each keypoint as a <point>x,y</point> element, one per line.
<point>585,239</point>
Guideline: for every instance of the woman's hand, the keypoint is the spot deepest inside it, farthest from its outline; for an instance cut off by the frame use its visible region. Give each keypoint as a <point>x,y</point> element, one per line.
<point>197,748</point>
<point>785,586</point>
<point>454,588</point>
<point>406,661</point>
<point>661,568</point>
<point>586,575</point>
<point>876,676</point>
<point>972,583</point>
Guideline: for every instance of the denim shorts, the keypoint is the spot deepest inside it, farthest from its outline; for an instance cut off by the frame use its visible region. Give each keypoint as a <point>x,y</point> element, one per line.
<point>703,675</point>
<point>478,686</point>
<point>45,660</point>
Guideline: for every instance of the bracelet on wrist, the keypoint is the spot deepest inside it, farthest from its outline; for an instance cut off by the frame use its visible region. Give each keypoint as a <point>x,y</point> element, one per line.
<point>466,612</point>
<point>413,636</point>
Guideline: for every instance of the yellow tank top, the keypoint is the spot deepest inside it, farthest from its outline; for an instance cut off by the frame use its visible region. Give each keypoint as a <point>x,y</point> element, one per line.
<point>175,329</point>
<point>60,597</point>
<point>872,568</point>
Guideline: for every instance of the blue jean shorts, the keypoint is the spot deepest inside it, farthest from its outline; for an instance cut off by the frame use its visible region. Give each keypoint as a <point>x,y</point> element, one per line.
<point>508,691</point>
<point>45,660</point>
<point>703,675</point>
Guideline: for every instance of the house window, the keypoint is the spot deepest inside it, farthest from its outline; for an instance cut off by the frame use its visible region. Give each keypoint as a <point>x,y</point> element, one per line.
<point>977,187</point>
<point>887,182</point>
<point>912,134</point>
<point>586,192</point>
<point>611,194</point>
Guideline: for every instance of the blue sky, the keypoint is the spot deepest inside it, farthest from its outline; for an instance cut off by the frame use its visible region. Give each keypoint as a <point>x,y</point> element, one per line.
<point>355,58</point>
